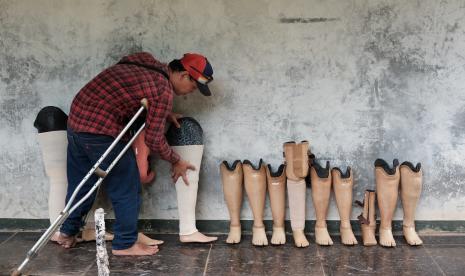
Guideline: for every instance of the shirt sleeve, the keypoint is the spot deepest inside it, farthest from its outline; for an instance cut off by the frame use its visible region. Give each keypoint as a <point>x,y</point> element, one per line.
<point>158,110</point>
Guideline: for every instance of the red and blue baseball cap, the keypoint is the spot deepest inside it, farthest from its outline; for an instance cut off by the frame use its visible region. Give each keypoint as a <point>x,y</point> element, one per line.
<point>200,70</point>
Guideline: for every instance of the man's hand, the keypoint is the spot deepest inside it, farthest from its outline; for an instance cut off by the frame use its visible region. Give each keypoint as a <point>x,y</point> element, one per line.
<point>180,169</point>
<point>173,118</point>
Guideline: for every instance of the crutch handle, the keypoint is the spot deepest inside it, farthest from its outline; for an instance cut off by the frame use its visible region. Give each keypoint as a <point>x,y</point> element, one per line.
<point>145,103</point>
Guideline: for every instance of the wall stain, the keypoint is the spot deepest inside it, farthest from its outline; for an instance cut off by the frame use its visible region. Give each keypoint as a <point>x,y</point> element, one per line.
<point>306,20</point>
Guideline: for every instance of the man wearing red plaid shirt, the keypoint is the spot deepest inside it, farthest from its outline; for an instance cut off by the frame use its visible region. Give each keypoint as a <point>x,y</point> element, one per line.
<point>98,114</point>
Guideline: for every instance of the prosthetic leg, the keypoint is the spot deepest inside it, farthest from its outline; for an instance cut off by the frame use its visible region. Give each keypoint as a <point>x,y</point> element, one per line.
<point>255,187</point>
<point>232,178</point>
<point>343,185</point>
<point>410,189</point>
<point>387,186</point>
<point>368,218</point>
<point>321,191</point>
<point>296,170</point>
<point>187,142</point>
<point>277,192</point>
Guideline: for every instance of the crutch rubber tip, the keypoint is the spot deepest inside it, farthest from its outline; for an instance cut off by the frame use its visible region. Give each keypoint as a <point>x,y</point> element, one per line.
<point>145,103</point>
<point>16,273</point>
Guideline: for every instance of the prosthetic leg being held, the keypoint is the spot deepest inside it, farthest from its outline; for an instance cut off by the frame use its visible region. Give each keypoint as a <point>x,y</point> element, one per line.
<point>387,187</point>
<point>187,141</point>
<point>321,191</point>
<point>296,156</point>
<point>343,186</point>
<point>255,187</point>
<point>277,192</point>
<point>232,178</point>
<point>410,189</point>
<point>368,218</point>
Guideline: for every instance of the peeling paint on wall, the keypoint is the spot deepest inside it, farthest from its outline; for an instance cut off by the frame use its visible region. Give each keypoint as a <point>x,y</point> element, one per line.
<point>359,79</point>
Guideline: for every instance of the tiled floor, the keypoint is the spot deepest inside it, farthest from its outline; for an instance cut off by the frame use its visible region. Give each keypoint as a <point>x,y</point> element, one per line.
<point>441,255</point>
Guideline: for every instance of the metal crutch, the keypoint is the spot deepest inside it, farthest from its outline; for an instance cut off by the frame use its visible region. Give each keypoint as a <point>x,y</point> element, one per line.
<point>94,170</point>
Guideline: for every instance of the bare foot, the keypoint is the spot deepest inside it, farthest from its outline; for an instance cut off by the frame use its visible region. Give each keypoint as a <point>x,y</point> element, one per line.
<point>142,238</point>
<point>55,236</point>
<point>65,240</point>
<point>196,237</point>
<point>136,249</point>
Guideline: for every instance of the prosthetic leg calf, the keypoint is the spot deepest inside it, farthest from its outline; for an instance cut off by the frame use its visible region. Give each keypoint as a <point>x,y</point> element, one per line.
<point>187,142</point>
<point>232,178</point>
<point>277,192</point>
<point>410,189</point>
<point>321,191</point>
<point>255,187</point>
<point>296,170</point>
<point>343,185</point>
<point>387,187</point>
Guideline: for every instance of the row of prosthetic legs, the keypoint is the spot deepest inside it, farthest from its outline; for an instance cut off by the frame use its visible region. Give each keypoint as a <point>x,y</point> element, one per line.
<point>406,178</point>
<point>291,176</point>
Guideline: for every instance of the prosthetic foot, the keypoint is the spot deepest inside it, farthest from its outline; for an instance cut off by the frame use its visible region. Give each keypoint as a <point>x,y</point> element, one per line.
<point>387,187</point>
<point>368,218</point>
<point>187,142</point>
<point>410,189</point>
<point>232,178</point>
<point>277,192</point>
<point>296,156</point>
<point>255,187</point>
<point>321,191</point>
<point>343,184</point>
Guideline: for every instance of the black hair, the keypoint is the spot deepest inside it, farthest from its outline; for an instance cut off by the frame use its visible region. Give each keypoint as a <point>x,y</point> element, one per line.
<point>176,65</point>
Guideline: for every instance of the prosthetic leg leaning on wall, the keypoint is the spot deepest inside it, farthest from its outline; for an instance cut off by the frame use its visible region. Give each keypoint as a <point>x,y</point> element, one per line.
<point>321,192</point>
<point>277,191</point>
<point>297,163</point>
<point>255,187</point>
<point>232,178</point>
<point>51,123</point>
<point>343,184</point>
<point>387,189</point>
<point>187,141</point>
<point>410,190</point>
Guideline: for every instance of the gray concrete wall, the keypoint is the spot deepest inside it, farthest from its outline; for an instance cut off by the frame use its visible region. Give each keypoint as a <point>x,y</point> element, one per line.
<point>359,79</point>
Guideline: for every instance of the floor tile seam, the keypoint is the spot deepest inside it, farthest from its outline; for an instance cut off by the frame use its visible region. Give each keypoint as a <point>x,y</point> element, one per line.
<point>320,259</point>
<point>88,269</point>
<point>434,261</point>
<point>9,238</point>
<point>208,258</point>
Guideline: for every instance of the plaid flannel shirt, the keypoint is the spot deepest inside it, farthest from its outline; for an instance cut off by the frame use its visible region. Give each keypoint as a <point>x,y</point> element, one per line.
<point>107,102</point>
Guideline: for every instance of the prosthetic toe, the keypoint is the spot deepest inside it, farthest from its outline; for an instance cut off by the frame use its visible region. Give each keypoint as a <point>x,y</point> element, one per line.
<point>368,218</point>
<point>255,187</point>
<point>410,189</point>
<point>343,185</point>
<point>321,191</point>
<point>387,186</point>
<point>277,192</point>
<point>232,178</point>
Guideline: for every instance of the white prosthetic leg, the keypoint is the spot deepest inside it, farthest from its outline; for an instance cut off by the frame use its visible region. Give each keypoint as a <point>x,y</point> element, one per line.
<point>296,170</point>
<point>187,195</point>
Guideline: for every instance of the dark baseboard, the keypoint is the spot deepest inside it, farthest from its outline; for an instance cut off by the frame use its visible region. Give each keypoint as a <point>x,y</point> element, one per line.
<point>222,226</point>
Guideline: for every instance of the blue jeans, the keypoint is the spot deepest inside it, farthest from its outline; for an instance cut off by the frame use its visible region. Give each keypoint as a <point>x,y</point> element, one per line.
<point>122,185</point>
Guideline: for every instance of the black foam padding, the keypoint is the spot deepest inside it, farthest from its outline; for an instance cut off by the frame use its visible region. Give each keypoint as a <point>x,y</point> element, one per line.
<point>253,167</point>
<point>346,174</point>
<point>416,168</point>
<point>278,172</point>
<point>190,133</point>
<point>50,118</point>
<point>383,164</point>
<point>233,166</point>
<point>320,171</point>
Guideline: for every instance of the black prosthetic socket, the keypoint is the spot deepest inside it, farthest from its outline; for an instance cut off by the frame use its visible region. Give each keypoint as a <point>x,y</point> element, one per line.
<point>320,171</point>
<point>416,168</point>
<point>190,133</point>
<point>233,166</point>
<point>383,164</point>
<point>346,174</point>
<point>253,167</point>
<point>50,118</point>
<point>278,172</point>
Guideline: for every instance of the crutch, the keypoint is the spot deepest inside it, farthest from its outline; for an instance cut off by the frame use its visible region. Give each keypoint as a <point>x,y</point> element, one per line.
<point>94,170</point>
